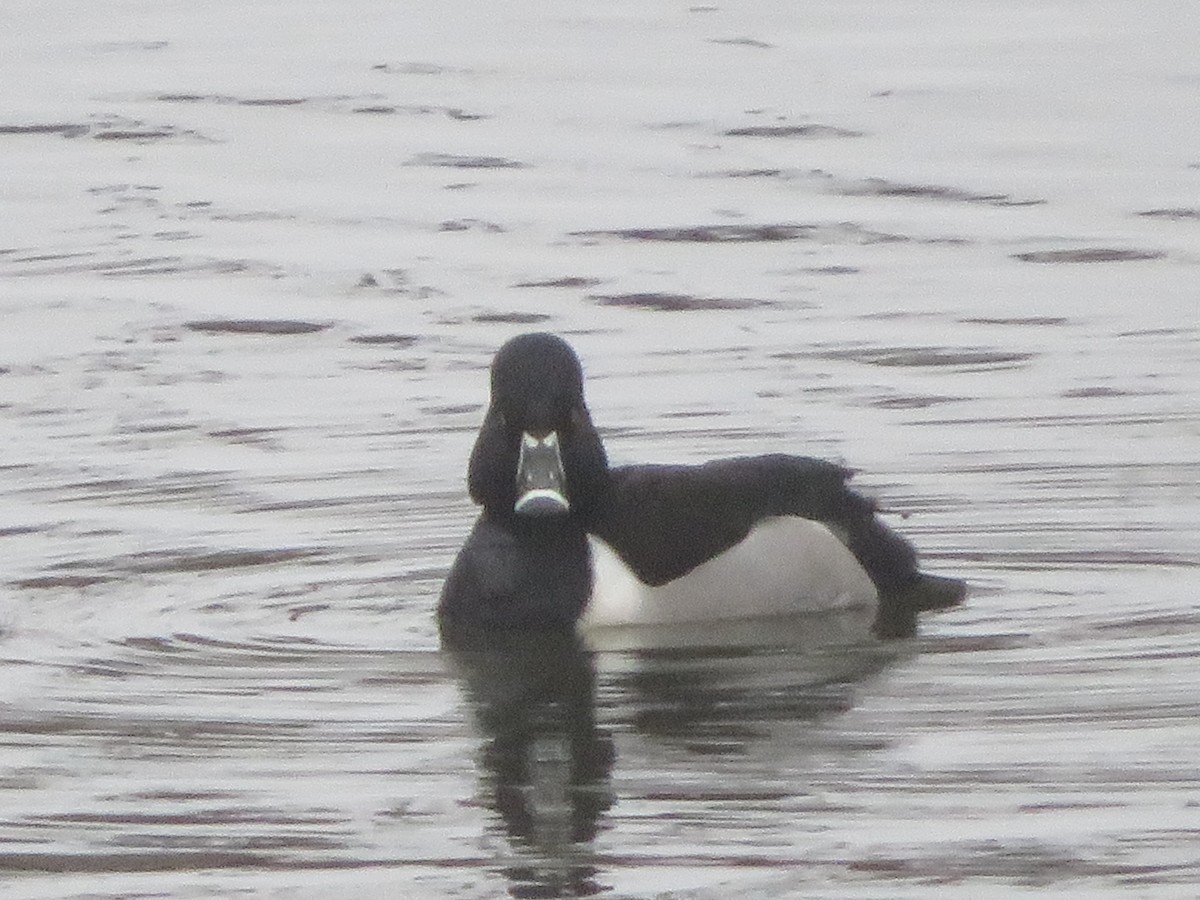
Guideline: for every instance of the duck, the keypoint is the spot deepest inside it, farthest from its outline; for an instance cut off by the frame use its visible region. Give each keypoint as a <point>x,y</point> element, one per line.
<point>564,540</point>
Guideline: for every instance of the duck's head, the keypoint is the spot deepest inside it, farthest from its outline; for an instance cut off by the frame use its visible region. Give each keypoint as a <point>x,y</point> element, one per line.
<point>538,454</point>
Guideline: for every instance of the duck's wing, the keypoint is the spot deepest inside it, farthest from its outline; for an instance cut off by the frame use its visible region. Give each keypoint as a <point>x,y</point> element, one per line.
<point>663,521</point>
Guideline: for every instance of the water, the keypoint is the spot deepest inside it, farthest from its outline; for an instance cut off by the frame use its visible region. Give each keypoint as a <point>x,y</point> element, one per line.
<point>255,263</point>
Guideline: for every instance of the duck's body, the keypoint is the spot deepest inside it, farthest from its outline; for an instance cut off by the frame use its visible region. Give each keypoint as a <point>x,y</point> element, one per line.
<point>565,540</point>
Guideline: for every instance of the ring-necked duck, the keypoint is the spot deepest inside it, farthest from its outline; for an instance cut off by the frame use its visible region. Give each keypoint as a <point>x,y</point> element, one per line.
<point>565,540</point>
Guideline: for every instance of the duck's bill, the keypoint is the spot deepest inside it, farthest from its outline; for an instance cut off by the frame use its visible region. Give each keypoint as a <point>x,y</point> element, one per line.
<point>541,483</point>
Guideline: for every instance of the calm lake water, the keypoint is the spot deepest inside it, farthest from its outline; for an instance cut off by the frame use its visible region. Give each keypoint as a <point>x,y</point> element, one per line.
<point>255,261</point>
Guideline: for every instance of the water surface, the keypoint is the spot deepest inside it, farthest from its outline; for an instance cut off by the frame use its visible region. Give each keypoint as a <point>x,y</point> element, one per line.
<point>255,263</point>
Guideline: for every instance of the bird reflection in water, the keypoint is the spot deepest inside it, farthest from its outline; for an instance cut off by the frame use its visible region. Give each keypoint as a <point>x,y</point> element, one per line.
<point>545,765</point>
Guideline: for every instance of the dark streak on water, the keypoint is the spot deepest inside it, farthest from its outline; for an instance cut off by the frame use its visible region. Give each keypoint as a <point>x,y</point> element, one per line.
<point>567,281</point>
<point>1088,255</point>
<point>807,130</point>
<point>455,161</point>
<point>255,326</point>
<point>1175,213</point>
<point>391,340</point>
<point>882,187</point>
<point>662,302</point>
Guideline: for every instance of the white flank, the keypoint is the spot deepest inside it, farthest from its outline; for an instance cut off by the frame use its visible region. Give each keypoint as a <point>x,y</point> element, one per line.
<point>785,566</point>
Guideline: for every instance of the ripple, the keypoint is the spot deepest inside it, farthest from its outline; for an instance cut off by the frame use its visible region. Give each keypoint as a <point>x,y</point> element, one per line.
<point>664,302</point>
<point>567,281</point>
<point>805,130</point>
<point>255,326</point>
<point>919,357</point>
<point>456,161</point>
<point>1178,213</point>
<point>389,340</point>
<point>1089,255</point>
<point>511,318</point>
<point>61,129</point>
<point>882,187</point>
<point>846,232</point>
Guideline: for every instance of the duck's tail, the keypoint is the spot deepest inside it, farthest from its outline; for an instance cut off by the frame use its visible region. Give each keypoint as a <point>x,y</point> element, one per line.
<point>892,563</point>
<point>898,607</point>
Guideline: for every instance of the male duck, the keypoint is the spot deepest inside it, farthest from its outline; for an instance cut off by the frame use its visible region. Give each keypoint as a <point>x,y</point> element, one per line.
<point>565,540</point>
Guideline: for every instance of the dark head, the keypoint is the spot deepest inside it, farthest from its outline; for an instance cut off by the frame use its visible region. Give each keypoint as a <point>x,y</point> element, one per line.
<point>537,453</point>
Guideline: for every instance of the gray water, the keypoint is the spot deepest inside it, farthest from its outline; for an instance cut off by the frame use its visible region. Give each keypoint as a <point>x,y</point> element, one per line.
<point>255,261</point>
